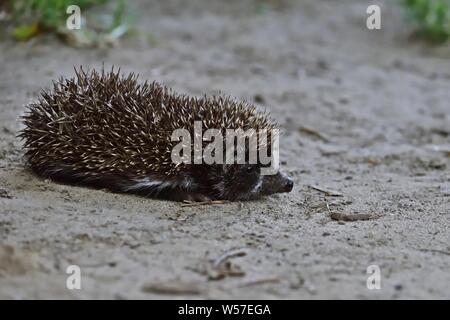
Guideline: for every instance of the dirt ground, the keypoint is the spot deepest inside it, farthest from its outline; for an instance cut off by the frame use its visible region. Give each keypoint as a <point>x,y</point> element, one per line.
<point>365,114</point>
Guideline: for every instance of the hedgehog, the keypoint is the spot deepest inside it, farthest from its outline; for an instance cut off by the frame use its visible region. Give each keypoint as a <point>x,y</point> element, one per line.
<point>108,130</point>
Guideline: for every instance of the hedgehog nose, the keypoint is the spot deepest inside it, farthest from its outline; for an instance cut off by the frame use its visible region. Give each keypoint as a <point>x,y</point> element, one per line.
<point>288,185</point>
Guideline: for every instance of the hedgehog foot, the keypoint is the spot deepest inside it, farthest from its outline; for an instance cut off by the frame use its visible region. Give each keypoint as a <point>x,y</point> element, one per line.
<point>181,195</point>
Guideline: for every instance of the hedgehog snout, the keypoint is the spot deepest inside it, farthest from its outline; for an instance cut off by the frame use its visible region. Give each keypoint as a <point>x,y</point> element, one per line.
<point>277,183</point>
<point>288,184</point>
<point>284,183</point>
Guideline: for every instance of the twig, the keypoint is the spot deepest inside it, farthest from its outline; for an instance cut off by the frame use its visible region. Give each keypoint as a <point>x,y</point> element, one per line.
<point>260,281</point>
<point>314,133</point>
<point>339,216</point>
<point>221,267</point>
<point>228,255</point>
<point>327,192</point>
<point>203,203</point>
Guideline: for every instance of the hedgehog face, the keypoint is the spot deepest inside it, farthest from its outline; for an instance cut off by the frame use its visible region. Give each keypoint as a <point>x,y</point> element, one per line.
<point>245,182</point>
<point>277,183</point>
<point>241,182</point>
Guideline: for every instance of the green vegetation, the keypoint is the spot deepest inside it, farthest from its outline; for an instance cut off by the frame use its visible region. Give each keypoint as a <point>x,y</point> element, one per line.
<point>48,14</point>
<point>431,17</point>
<point>29,18</point>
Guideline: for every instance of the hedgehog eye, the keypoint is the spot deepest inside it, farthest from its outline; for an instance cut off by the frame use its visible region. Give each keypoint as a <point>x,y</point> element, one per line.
<point>250,169</point>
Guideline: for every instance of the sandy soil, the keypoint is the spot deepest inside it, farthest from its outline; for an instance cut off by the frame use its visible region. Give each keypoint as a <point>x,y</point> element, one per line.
<point>377,103</point>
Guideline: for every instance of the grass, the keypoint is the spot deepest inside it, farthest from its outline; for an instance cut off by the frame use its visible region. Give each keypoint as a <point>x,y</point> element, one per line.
<point>49,14</point>
<point>32,17</point>
<point>431,17</point>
